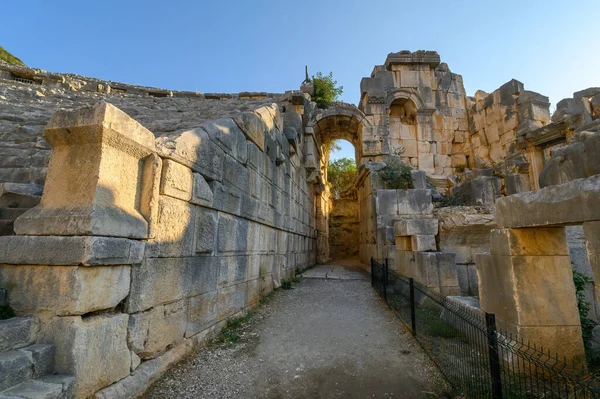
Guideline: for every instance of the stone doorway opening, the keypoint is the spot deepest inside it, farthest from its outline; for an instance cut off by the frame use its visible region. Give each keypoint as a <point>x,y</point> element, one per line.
<point>343,216</point>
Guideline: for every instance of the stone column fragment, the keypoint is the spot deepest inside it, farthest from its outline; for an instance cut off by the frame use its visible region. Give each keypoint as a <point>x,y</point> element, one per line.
<point>527,282</point>
<point>98,180</point>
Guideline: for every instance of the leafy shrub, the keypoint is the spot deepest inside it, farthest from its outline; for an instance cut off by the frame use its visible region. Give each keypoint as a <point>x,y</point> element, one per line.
<point>341,174</point>
<point>326,91</point>
<point>230,334</point>
<point>396,176</point>
<point>453,200</point>
<point>460,168</point>
<point>587,324</point>
<point>286,284</point>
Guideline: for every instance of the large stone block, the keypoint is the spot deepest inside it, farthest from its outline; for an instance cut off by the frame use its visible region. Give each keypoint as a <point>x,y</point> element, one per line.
<point>158,281</point>
<point>151,332</point>
<point>194,149</point>
<point>235,174</point>
<point>232,270</point>
<point>413,226</point>
<point>177,180</point>
<point>175,229</point>
<point>414,202</point>
<point>206,229</point>
<point>202,193</point>
<point>64,251</point>
<point>232,234</point>
<point>93,182</point>
<point>569,203</point>
<point>528,290</point>
<point>529,241</point>
<point>92,349</point>
<point>227,135</point>
<point>231,300</point>
<point>481,191</point>
<point>424,243</point>
<point>253,128</point>
<point>437,270</point>
<point>65,290</point>
<point>202,313</point>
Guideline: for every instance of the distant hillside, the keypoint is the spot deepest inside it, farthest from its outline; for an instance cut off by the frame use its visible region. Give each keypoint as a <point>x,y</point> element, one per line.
<point>8,57</point>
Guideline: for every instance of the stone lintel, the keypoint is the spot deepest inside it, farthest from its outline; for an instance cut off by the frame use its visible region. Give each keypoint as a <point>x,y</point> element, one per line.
<point>70,251</point>
<point>416,226</point>
<point>570,203</point>
<point>431,58</point>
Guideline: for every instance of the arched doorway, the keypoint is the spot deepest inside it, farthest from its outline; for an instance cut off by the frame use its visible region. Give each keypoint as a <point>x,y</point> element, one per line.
<point>339,122</point>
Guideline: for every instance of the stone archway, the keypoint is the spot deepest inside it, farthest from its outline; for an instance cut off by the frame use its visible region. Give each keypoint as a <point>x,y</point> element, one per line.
<point>340,121</point>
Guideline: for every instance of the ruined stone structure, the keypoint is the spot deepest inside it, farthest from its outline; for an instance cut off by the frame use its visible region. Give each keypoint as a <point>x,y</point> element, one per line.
<point>135,221</point>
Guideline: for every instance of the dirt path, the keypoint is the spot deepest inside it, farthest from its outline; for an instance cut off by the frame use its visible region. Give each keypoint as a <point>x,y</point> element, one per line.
<point>322,339</point>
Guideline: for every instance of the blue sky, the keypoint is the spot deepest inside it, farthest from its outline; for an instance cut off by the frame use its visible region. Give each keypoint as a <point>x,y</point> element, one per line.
<point>235,45</point>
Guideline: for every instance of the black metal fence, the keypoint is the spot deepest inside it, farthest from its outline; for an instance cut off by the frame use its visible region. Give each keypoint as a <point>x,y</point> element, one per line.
<point>477,359</point>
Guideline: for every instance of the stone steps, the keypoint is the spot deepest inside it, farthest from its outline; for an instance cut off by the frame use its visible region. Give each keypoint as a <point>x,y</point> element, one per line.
<point>15,333</point>
<point>25,368</point>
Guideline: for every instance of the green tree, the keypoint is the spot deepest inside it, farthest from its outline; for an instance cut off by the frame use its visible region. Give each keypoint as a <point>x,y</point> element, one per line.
<point>341,174</point>
<point>326,91</point>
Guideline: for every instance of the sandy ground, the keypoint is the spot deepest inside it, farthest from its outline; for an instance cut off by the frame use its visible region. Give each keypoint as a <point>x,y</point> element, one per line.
<point>325,338</point>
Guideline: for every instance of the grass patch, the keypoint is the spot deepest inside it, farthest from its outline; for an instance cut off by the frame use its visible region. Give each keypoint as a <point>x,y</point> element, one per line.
<point>286,284</point>
<point>434,326</point>
<point>6,312</point>
<point>8,57</point>
<point>230,334</point>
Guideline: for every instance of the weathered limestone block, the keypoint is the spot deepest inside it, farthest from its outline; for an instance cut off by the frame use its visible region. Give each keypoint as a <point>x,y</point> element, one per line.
<point>227,134</point>
<point>65,290</point>
<point>20,195</point>
<point>419,179</point>
<point>534,292</point>
<point>235,174</point>
<point>232,234</point>
<point>232,270</point>
<point>65,251</point>
<point>253,128</point>
<point>158,281</point>
<point>547,241</point>
<point>151,332</point>
<point>17,332</point>
<point>177,181</point>
<point>413,226</point>
<point>206,229</point>
<point>202,193</point>
<point>202,313</point>
<point>482,190</point>
<point>93,183</point>
<point>231,300</point>
<point>516,183</point>
<point>569,203</point>
<point>437,271</point>
<point>174,230</point>
<point>93,350</point>
<point>194,149</point>
<point>414,202</point>
<point>423,243</point>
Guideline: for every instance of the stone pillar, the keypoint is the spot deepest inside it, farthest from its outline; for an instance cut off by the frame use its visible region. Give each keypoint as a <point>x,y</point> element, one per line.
<point>527,282</point>
<point>70,263</point>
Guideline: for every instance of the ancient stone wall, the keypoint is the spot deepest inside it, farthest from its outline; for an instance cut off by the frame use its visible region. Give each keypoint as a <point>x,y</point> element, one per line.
<point>142,248</point>
<point>343,228</point>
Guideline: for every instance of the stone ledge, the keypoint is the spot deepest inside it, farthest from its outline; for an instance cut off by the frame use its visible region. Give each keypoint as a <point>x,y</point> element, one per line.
<point>70,251</point>
<point>574,202</point>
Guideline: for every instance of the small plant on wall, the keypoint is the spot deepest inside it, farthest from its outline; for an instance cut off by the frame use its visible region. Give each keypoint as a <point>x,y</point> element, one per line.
<point>326,90</point>
<point>396,175</point>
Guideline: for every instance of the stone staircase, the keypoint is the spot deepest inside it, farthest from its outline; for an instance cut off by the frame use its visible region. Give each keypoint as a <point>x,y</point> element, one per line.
<point>15,199</point>
<point>440,183</point>
<point>26,368</point>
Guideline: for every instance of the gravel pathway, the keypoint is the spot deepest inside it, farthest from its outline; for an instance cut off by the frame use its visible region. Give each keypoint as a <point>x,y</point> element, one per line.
<point>322,339</point>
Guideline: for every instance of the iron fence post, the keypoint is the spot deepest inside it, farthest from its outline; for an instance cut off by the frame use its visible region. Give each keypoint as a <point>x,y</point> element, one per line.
<point>490,321</point>
<point>372,274</point>
<point>413,319</point>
